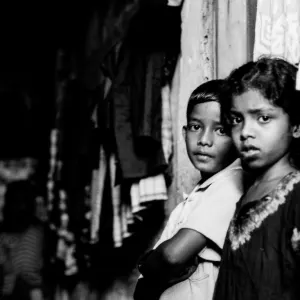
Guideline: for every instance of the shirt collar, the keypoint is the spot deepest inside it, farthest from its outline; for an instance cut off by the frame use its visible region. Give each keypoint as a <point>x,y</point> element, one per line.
<point>236,165</point>
<point>233,166</point>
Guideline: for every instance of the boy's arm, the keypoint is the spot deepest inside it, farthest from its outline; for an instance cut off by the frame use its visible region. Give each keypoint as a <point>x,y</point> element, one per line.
<point>174,256</point>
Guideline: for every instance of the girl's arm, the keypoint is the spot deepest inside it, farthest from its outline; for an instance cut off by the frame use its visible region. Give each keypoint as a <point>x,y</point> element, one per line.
<point>171,258</point>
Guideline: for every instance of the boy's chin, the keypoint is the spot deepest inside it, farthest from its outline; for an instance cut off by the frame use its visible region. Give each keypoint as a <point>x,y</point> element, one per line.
<point>207,168</point>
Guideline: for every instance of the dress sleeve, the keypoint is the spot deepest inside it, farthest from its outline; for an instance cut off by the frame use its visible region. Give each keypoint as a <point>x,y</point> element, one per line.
<point>212,216</point>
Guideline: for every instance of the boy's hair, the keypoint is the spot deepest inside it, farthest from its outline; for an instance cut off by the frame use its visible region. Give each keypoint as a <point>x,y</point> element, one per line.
<point>19,207</point>
<point>213,90</point>
<point>275,80</point>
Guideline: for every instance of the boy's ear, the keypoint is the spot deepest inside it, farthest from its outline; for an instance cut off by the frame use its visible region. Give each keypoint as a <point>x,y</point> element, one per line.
<point>184,132</point>
<point>296,131</point>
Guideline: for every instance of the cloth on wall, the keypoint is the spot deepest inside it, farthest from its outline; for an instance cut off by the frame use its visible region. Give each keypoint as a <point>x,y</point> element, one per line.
<point>104,32</point>
<point>166,126</point>
<point>137,98</point>
<point>140,152</point>
<point>277,30</point>
<point>97,188</point>
<point>174,2</point>
<point>147,190</point>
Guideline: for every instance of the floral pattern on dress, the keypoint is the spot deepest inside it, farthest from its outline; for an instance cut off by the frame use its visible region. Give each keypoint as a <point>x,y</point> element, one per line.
<point>243,224</point>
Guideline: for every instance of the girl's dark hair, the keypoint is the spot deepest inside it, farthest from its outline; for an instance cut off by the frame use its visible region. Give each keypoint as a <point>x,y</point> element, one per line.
<point>275,80</point>
<point>213,90</point>
<point>19,207</point>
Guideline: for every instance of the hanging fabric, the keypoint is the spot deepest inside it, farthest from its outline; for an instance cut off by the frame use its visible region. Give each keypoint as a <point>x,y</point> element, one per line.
<point>98,180</point>
<point>277,30</point>
<point>232,35</point>
<point>147,190</point>
<point>166,126</point>
<point>174,2</point>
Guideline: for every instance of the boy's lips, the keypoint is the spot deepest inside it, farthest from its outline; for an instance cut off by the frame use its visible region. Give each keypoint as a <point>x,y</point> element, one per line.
<point>203,154</point>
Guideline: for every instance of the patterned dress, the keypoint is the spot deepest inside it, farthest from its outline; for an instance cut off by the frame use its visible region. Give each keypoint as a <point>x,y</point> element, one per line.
<point>261,258</point>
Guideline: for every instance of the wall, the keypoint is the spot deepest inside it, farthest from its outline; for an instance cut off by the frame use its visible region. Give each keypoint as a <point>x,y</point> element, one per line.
<point>217,36</point>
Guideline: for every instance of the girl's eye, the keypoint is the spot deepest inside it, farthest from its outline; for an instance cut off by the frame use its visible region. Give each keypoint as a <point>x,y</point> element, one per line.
<point>193,127</point>
<point>221,131</point>
<point>264,119</point>
<point>235,120</point>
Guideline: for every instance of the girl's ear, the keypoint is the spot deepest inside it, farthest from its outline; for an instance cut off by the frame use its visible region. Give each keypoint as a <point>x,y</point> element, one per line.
<point>296,131</point>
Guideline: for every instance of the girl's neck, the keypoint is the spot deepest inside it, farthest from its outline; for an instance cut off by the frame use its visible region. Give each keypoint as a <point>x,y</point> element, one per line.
<point>274,172</point>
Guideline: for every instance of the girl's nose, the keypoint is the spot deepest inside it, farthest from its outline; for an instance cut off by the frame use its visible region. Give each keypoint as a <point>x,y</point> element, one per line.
<point>247,130</point>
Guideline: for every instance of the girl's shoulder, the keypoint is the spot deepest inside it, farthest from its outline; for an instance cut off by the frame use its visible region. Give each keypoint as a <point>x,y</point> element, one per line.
<point>288,191</point>
<point>289,185</point>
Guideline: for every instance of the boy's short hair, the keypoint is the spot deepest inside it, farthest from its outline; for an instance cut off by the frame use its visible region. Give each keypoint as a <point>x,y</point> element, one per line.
<point>213,90</point>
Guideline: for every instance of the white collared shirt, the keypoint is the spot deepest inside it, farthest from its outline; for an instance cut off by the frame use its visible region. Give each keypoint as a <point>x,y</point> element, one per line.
<point>208,209</point>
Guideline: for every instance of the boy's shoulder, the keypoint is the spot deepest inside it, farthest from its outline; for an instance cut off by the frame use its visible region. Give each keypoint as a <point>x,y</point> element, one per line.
<point>232,173</point>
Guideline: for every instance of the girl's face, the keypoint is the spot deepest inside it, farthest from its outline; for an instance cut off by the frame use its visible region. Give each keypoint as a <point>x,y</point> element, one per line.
<point>208,147</point>
<point>261,131</point>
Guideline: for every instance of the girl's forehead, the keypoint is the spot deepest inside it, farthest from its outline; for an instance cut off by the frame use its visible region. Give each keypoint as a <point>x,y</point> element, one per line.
<point>252,100</point>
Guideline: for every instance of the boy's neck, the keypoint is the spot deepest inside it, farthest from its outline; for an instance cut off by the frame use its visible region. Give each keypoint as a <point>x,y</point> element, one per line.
<point>206,176</point>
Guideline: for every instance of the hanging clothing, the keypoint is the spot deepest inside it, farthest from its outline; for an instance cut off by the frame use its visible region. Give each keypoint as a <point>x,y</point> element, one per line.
<point>147,190</point>
<point>277,30</point>
<point>166,126</point>
<point>137,115</point>
<point>98,181</point>
<point>174,2</point>
<point>21,260</point>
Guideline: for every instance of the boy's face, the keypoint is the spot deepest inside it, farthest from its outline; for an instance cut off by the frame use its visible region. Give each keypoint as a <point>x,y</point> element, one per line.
<point>209,148</point>
<point>260,130</point>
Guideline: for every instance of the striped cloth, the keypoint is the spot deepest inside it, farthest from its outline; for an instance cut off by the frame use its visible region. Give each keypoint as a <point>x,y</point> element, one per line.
<point>148,189</point>
<point>21,258</point>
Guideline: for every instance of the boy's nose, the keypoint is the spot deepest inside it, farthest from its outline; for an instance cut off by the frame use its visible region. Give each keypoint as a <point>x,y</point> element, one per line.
<point>205,139</point>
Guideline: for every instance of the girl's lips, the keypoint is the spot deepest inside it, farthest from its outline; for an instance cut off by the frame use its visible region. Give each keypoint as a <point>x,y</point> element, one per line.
<point>248,153</point>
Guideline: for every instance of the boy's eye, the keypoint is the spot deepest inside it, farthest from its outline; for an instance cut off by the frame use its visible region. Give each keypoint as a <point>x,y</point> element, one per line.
<point>193,127</point>
<point>221,131</point>
<point>264,119</point>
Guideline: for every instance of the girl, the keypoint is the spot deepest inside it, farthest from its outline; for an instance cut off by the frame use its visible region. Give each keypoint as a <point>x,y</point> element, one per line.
<point>186,259</point>
<point>261,257</point>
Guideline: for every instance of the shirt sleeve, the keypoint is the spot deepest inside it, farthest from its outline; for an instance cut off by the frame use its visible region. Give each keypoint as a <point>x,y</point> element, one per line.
<point>168,231</point>
<point>214,213</point>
